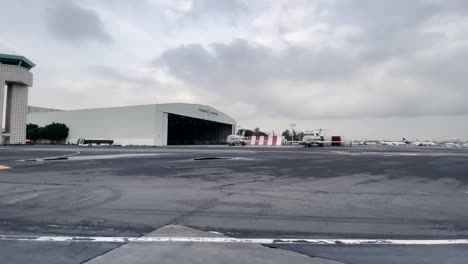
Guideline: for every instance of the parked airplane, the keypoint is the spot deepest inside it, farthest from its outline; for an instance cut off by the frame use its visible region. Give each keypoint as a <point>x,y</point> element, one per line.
<point>423,143</point>
<point>366,142</point>
<point>315,137</point>
<point>406,142</point>
<point>429,143</point>
<point>313,140</point>
<point>392,143</point>
<point>452,145</point>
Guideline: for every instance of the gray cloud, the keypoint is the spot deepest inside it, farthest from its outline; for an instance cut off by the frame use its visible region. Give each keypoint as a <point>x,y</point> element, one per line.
<point>117,76</point>
<point>101,85</point>
<point>259,61</point>
<point>392,28</point>
<point>242,65</point>
<point>232,10</point>
<point>75,24</point>
<point>326,82</point>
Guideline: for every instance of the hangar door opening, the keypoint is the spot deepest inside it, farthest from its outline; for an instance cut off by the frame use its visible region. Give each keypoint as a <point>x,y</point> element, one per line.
<point>183,130</point>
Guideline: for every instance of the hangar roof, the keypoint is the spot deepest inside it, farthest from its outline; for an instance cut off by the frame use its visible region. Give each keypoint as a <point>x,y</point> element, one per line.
<point>191,110</point>
<point>196,111</point>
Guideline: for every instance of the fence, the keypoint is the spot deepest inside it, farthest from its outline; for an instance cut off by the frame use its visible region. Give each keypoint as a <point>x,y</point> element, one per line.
<point>265,140</point>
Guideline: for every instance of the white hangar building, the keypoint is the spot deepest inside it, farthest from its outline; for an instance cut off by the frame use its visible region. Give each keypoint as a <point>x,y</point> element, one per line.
<point>155,125</point>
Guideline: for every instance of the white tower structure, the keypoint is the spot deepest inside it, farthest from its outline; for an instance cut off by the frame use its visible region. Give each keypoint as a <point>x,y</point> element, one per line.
<point>15,80</point>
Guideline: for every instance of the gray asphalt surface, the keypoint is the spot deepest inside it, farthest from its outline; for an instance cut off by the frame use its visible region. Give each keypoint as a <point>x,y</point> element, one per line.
<point>256,192</point>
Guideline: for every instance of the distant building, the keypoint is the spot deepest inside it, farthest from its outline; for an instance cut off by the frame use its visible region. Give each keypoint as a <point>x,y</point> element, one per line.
<point>15,80</point>
<point>37,109</point>
<point>154,125</point>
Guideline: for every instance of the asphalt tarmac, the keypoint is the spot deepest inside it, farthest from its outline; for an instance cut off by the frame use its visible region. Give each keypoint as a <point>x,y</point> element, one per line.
<point>409,204</point>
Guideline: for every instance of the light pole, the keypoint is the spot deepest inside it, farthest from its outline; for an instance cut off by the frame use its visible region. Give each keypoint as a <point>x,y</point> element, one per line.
<point>292,134</point>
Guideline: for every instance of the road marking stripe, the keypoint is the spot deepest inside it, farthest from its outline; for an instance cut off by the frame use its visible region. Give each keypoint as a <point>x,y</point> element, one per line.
<point>235,240</point>
<point>2,167</point>
<point>410,154</point>
<point>340,152</point>
<point>23,198</point>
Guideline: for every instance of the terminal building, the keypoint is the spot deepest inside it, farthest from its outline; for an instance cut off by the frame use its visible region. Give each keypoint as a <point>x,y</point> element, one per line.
<point>153,125</point>
<point>15,80</point>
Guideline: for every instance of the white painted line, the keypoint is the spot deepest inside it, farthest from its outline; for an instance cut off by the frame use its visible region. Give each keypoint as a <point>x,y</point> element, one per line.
<point>23,198</point>
<point>410,154</point>
<point>115,156</point>
<point>236,240</point>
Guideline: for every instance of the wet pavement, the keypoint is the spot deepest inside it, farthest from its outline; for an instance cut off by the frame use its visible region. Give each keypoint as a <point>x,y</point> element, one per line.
<point>241,192</point>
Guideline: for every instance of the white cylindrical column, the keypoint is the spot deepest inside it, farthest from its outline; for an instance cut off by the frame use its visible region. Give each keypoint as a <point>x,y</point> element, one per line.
<point>2,99</point>
<point>16,112</point>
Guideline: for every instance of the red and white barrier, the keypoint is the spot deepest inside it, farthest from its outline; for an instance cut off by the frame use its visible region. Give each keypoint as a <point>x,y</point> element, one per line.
<point>265,140</point>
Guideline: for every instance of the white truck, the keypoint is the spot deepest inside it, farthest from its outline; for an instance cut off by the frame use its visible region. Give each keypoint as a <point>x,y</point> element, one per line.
<point>233,140</point>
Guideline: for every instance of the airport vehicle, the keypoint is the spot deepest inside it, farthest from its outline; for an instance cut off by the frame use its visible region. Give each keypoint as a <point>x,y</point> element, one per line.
<point>233,140</point>
<point>94,142</point>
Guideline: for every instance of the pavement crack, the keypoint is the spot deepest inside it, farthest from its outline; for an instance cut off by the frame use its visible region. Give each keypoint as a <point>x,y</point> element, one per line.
<point>332,261</point>
<point>178,220</point>
<point>105,252</point>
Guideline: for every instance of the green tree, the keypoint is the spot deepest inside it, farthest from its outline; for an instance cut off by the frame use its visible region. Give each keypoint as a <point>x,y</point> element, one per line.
<point>241,132</point>
<point>296,136</point>
<point>248,133</point>
<point>245,132</point>
<point>43,133</point>
<point>300,135</point>
<point>32,132</point>
<point>257,132</point>
<point>56,132</point>
<point>31,126</point>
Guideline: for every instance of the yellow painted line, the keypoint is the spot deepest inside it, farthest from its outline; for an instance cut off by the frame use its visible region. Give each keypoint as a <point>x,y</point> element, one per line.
<point>4,167</point>
<point>340,152</point>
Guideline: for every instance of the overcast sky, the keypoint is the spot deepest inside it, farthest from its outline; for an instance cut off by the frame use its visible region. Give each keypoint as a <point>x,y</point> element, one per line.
<point>363,69</point>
